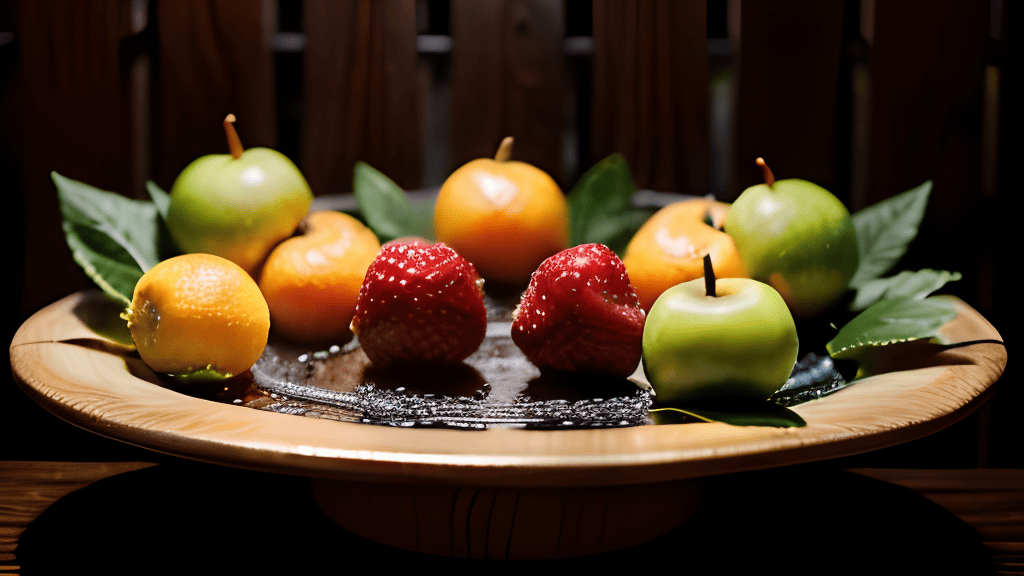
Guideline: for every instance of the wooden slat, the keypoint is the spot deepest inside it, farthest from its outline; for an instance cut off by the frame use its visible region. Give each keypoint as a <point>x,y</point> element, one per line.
<point>215,59</point>
<point>787,73</point>
<point>650,94</point>
<point>922,115</point>
<point>507,80</point>
<point>80,91</point>
<point>923,100</point>
<point>362,99</point>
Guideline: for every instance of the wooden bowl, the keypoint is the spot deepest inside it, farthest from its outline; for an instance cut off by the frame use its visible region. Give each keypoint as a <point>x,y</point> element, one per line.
<point>497,493</point>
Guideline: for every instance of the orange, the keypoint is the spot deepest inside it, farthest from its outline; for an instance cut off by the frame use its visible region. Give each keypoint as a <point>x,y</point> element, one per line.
<point>198,316</point>
<point>504,216</point>
<point>669,248</point>
<point>311,281</point>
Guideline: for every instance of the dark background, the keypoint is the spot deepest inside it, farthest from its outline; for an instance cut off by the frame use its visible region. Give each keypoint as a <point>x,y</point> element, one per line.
<point>868,98</point>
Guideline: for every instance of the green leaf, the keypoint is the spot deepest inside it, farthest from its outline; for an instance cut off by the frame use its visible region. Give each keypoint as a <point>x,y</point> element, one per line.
<point>384,205</point>
<point>615,232</point>
<point>890,321</point>
<point>760,414</point>
<point>205,375</point>
<point>113,238</point>
<point>423,219</point>
<point>600,205</point>
<point>884,230</point>
<point>906,284</point>
<point>161,199</point>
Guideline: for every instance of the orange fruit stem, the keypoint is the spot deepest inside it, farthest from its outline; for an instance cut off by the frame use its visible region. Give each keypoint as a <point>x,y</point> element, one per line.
<point>504,153</point>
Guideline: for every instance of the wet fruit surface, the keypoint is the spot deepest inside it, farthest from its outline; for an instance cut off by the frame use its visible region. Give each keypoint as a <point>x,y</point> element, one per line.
<point>420,305</point>
<point>311,281</point>
<point>669,248</point>
<point>198,313</point>
<point>580,314</point>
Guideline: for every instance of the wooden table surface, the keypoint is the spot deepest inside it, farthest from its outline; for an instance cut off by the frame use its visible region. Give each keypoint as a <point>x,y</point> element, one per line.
<point>178,515</point>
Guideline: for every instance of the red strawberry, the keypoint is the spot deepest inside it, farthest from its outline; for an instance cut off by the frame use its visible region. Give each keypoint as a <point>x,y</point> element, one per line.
<point>581,314</point>
<point>410,240</point>
<point>420,304</point>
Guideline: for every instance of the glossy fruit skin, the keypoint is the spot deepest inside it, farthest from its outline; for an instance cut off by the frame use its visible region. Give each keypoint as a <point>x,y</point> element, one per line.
<point>238,209</point>
<point>415,241</point>
<point>420,305</point>
<point>504,217</point>
<point>797,237</point>
<point>670,247</point>
<point>581,314</point>
<point>311,281</point>
<point>196,312</point>
<point>740,345</point>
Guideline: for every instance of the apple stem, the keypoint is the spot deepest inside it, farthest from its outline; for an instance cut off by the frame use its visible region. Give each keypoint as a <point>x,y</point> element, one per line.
<point>769,178</point>
<point>504,152</point>
<point>709,277</point>
<point>234,144</point>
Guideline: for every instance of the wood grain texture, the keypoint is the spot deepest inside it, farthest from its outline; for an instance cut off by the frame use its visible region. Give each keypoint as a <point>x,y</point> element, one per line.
<point>362,95</point>
<point>787,76</point>
<point>990,501</point>
<point>508,523</point>
<point>79,91</point>
<point>28,488</point>
<point>87,383</point>
<point>650,93</point>
<point>215,59</point>
<point>507,79</point>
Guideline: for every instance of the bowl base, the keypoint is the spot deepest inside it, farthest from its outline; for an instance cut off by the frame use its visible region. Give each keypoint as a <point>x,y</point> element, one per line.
<point>508,523</point>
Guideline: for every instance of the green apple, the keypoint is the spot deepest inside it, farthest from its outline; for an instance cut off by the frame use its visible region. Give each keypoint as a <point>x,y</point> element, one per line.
<point>798,237</point>
<point>238,205</point>
<point>730,339</point>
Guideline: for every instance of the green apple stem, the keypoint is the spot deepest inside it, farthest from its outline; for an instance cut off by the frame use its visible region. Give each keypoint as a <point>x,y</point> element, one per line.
<point>504,152</point>
<point>709,277</point>
<point>769,178</point>
<point>234,144</point>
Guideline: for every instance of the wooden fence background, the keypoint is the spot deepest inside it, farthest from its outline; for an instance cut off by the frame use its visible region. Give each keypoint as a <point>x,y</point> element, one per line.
<point>866,97</point>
